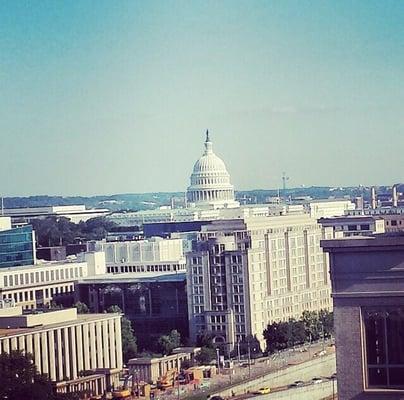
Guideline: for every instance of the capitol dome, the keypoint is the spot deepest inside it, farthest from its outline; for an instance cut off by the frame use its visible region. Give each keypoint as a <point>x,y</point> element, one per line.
<point>210,181</point>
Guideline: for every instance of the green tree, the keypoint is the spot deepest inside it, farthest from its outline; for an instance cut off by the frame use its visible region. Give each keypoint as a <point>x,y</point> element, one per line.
<point>82,308</point>
<point>205,356</point>
<point>327,322</point>
<point>167,343</point>
<point>20,379</point>
<point>129,342</point>
<point>205,340</point>
<point>312,325</point>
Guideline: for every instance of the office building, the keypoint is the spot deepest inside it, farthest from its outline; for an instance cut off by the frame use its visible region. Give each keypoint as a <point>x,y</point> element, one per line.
<point>354,225</point>
<point>17,247</point>
<point>62,342</point>
<point>367,276</point>
<point>155,304</point>
<point>35,286</point>
<point>162,256</point>
<point>244,274</point>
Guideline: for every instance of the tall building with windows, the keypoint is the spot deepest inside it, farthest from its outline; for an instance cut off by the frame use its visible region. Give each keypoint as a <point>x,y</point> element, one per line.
<point>17,247</point>
<point>243,274</point>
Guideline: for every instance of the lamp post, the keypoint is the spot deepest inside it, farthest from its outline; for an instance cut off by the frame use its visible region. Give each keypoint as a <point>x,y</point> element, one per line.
<point>249,360</point>
<point>218,359</point>
<point>238,352</point>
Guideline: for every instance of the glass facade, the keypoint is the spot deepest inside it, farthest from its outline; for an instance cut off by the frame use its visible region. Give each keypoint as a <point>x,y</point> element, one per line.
<point>384,334</point>
<point>16,247</point>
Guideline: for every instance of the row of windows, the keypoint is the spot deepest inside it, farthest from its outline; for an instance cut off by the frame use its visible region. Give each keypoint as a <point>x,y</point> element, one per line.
<point>38,294</point>
<point>29,278</point>
<point>146,268</point>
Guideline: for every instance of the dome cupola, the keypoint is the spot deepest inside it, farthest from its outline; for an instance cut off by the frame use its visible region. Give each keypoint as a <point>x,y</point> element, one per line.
<point>210,181</point>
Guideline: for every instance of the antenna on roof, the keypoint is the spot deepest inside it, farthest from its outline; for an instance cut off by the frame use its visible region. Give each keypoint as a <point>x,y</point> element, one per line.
<point>207,136</point>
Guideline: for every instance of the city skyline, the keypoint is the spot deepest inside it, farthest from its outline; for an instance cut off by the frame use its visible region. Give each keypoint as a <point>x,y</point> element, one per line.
<point>117,98</point>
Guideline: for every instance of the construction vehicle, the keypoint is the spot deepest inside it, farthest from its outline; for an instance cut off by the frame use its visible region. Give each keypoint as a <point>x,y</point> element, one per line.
<point>168,379</point>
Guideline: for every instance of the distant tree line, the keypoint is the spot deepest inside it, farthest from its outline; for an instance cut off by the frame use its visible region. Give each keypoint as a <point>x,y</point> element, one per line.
<point>53,231</point>
<point>310,327</point>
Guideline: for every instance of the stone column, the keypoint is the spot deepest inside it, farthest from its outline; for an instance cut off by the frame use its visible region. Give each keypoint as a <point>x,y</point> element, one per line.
<point>118,341</point>
<point>112,343</point>
<point>100,361</point>
<point>45,352</point>
<point>105,343</point>
<point>14,345</point>
<point>73,354</point>
<point>52,364</point>
<point>80,352</point>
<point>6,345</point>
<point>67,353</point>
<point>21,343</point>
<point>59,354</point>
<point>86,348</point>
<point>93,347</point>
<point>37,352</point>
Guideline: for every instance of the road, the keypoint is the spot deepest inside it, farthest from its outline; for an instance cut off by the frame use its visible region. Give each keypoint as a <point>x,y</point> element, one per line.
<point>240,374</point>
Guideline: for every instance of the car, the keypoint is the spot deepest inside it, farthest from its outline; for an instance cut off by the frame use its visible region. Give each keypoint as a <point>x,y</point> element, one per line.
<point>317,380</point>
<point>299,383</point>
<point>263,390</point>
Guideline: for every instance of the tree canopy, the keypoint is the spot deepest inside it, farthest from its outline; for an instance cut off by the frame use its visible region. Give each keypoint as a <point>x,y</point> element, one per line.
<point>167,343</point>
<point>311,326</point>
<point>58,231</point>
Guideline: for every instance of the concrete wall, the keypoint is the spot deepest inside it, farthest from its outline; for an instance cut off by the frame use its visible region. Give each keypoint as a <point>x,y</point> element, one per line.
<point>324,366</point>
<point>311,392</point>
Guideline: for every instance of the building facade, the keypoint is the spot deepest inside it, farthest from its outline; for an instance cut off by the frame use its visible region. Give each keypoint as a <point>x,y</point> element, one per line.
<point>350,225</point>
<point>63,343</point>
<point>155,304</point>
<point>35,286</point>
<point>244,274</point>
<point>210,182</point>
<point>367,277</point>
<point>162,256</point>
<point>17,247</point>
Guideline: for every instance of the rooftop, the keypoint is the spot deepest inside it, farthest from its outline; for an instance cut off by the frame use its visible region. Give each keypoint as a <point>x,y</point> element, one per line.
<point>135,277</point>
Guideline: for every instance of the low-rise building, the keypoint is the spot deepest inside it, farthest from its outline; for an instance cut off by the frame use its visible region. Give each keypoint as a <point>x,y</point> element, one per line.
<point>62,342</point>
<point>35,286</point>
<point>367,276</point>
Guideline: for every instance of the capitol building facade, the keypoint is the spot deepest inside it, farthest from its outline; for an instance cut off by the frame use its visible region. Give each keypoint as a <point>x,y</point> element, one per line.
<point>210,182</point>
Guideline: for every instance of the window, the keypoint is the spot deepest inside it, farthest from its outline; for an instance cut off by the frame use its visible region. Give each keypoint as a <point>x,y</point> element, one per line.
<point>384,348</point>
<point>393,222</point>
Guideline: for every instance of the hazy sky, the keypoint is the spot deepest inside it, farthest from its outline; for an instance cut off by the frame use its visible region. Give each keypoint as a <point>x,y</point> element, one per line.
<point>101,97</point>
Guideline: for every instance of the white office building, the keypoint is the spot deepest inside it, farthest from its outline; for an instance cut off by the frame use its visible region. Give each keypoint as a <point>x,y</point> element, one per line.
<point>155,255</point>
<point>62,342</point>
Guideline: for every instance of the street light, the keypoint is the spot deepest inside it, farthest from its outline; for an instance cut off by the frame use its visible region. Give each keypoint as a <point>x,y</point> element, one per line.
<point>218,360</point>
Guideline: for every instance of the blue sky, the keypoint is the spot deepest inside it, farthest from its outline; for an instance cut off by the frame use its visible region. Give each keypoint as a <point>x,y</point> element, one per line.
<point>100,97</point>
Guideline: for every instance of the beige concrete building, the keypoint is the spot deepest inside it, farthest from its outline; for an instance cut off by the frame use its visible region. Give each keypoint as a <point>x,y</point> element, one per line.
<point>244,274</point>
<point>63,343</point>
<point>354,225</point>
<point>148,369</point>
<point>36,285</point>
